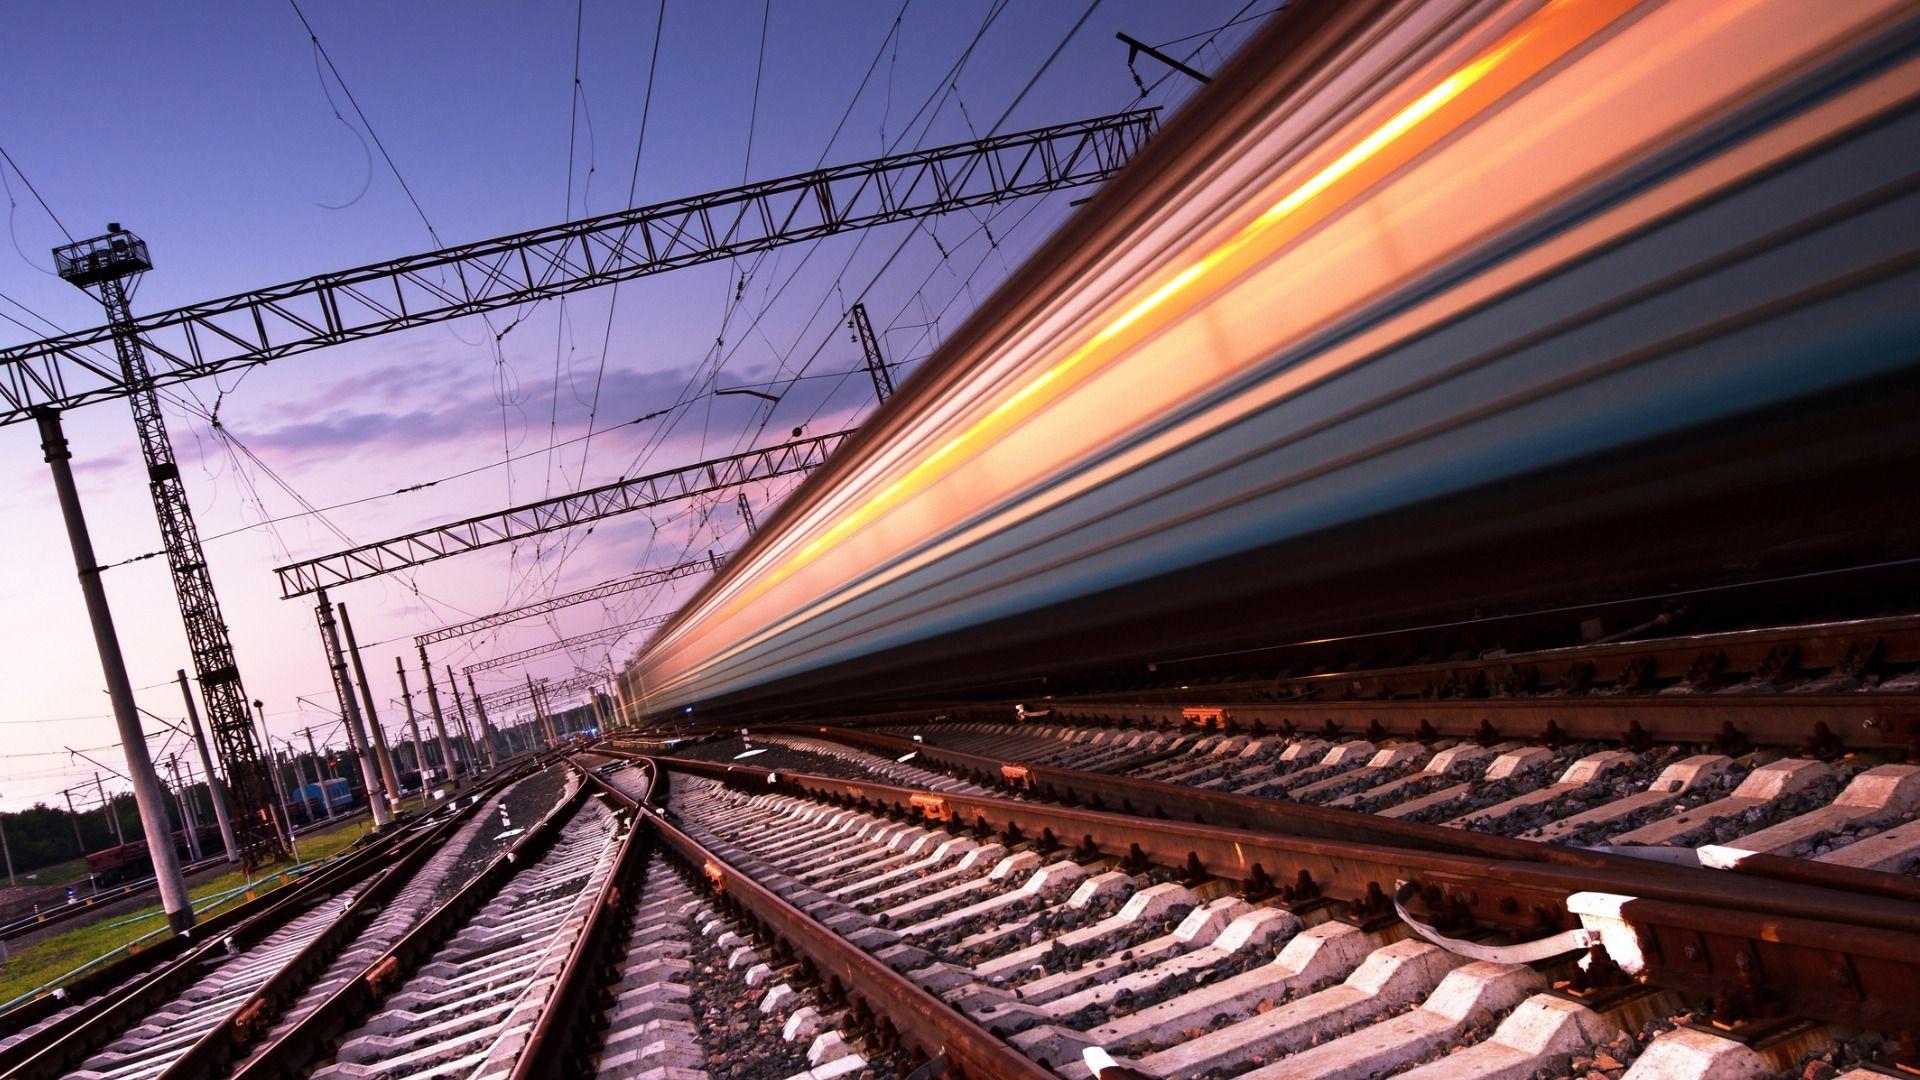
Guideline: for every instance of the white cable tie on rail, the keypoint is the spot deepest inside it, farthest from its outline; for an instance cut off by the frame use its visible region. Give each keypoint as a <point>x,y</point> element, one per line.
<point>1526,952</point>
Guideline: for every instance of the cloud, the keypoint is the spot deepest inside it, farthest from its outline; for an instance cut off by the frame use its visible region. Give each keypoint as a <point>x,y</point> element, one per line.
<point>405,406</point>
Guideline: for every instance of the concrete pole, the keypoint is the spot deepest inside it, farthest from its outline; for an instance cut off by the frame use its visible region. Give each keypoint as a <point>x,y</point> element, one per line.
<point>380,753</point>
<point>539,714</point>
<point>214,788</point>
<point>74,820</point>
<point>483,758</point>
<point>280,820</point>
<point>146,785</point>
<point>377,799</point>
<point>189,781</point>
<point>108,811</point>
<point>413,725</point>
<point>300,778</point>
<point>186,812</point>
<point>319,779</point>
<point>489,741</point>
<point>6,851</point>
<point>619,702</point>
<point>439,722</point>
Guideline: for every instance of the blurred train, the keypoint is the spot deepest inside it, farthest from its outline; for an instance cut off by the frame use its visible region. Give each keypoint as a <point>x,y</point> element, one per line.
<point>130,861</point>
<point>1423,309</point>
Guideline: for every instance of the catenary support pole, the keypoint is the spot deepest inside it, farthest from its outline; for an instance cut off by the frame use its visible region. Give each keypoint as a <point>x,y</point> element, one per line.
<point>319,778</point>
<point>187,824</point>
<point>474,760</point>
<point>74,820</point>
<point>413,725</point>
<point>109,811</point>
<point>439,721</point>
<point>215,789</point>
<point>300,782</point>
<point>133,741</point>
<point>380,754</point>
<point>539,714</point>
<point>350,712</point>
<point>6,851</point>
<point>488,741</point>
<point>282,823</point>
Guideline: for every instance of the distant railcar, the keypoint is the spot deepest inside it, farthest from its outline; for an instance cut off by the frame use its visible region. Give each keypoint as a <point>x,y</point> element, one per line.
<point>130,862</point>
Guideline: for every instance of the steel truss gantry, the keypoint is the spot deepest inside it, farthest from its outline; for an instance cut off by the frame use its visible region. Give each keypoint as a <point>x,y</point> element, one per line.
<point>609,633</point>
<point>559,512</point>
<point>644,579</point>
<point>503,700</point>
<point>203,339</point>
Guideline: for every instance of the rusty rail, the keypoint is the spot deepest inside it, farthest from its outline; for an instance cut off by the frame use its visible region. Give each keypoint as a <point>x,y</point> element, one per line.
<point>1158,798</point>
<point>1455,698</point>
<point>551,1044</point>
<point>922,1020</point>
<point>290,1054</point>
<point>1820,724</point>
<point>1697,930</point>
<point>229,1039</point>
<point>155,974</point>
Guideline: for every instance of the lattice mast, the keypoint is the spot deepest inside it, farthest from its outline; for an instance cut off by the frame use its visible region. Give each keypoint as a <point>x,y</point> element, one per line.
<point>870,350</point>
<point>108,267</point>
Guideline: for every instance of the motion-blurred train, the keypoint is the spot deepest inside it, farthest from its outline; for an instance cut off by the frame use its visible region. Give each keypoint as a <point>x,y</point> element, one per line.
<point>1424,309</point>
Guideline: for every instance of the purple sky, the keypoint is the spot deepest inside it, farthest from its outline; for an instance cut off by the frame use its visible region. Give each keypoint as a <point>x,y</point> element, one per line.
<point>206,129</point>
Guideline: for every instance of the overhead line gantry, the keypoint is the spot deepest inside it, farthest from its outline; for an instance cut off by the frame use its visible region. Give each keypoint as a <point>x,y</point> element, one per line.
<point>609,633</point>
<point>550,515</point>
<point>644,579</point>
<point>200,340</point>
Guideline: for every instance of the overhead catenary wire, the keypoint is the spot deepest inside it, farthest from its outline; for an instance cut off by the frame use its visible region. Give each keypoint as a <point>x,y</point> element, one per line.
<point>17,171</point>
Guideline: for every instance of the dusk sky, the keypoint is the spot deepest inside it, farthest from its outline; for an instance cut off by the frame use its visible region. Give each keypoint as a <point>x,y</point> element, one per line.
<point>210,130</point>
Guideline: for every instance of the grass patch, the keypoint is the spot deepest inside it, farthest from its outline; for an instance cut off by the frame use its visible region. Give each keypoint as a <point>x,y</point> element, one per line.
<point>48,959</point>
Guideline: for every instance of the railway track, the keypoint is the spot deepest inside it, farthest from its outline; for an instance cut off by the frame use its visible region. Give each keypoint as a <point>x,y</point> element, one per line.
<point>692,983</point>
<point>1827,687</point>
<point>457,992</point>
<point>1856,812</point>
<point>1144,942</point>
<point>194,1004</point>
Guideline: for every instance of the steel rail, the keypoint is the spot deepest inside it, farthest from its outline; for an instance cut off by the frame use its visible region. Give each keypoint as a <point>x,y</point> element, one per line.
<point>1816,723</point>
<point>300,1045</point>
<point>85,904</point>
<point>1247,811</point>
<point>922,1020</point>
<point>229,1039</point>
<point>1698,931</point>
<point>1156,798</point>
<point>550,1045</point>
<point>1352,865</point>
<point>51,1050</point>
<point>1504,689</point>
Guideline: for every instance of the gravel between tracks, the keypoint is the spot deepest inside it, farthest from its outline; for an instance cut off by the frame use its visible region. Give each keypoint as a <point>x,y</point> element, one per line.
<point>526,803</point>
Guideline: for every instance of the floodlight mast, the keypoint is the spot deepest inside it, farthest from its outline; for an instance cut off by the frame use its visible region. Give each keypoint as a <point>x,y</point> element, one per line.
<point>109,267</point>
